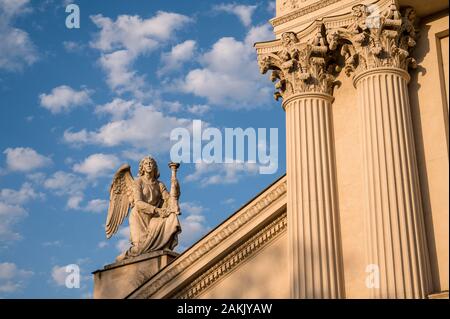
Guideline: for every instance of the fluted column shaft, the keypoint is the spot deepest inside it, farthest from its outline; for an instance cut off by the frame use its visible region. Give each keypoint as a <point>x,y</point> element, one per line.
<point>393,209</point>
<point>314,267</point>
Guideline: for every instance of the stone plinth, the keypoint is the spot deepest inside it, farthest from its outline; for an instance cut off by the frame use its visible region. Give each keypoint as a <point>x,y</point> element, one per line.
<point>118,280</point>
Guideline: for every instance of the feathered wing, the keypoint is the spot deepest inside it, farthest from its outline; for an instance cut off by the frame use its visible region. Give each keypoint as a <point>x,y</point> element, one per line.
<point>120,200</point>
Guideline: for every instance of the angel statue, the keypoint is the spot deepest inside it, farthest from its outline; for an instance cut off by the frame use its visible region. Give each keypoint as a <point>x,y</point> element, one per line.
<point>153,220</point>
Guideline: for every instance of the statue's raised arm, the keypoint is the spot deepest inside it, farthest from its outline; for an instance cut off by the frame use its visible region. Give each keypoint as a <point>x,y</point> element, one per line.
<point>120,199</point>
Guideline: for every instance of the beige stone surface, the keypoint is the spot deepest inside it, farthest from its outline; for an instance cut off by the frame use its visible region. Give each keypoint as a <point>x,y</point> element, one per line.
<point>245,281</point>
<point>116,281</point>
<point>350,188</point>
<point>430,118</point>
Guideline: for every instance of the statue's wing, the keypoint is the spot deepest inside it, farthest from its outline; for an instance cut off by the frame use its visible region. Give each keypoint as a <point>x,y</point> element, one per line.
<point>120,200</point>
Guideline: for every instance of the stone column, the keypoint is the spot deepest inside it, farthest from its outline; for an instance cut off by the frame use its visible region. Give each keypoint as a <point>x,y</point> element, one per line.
<point>305,84</point>
<point>380,56</point>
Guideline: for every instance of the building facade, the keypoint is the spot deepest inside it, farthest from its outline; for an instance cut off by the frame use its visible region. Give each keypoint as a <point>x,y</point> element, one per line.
<point>363,210</point>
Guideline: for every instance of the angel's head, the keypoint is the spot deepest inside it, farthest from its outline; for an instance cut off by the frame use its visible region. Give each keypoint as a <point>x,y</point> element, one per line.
<point>148,165</point>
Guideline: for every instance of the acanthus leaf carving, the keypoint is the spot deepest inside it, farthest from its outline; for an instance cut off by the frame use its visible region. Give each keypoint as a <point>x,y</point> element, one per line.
<point>376,40</point>
<point>300,67</point>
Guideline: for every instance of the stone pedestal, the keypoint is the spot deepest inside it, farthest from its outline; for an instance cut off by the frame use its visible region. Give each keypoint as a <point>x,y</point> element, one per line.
<point>118,280</point>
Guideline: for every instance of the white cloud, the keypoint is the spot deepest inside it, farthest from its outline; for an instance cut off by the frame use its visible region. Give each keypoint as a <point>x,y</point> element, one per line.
<point>93,206</point>
<point>102,244</point>
<point>74,202</point>
<point>97,206</point>
<point>97,165</point>
<point>12,279</point>
<point>193,225</point>
<point>118,108</point>
<point>211,174</point>
<point>243,12</point>
<point>143,128</point>
<point>198,109</point>
<point>192,208</point>
<point>59,275</point>
<point>12,210</point>
<point>119,74</point>
<point>178,55</point>
<point>72,46</point>
<point>17,49</point>
<point>257,34</point>
<point>229,75</point>
<point>21,196</point>
<point>122,41</point>
<point>271,7</point>
<point>63,183</point>
<point>123,239</point>
<point>25,159</point>
<point>10,215</point>
<point>64,99</point>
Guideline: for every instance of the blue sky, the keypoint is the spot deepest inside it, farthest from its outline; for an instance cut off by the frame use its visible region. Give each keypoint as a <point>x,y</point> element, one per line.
<point>76,103</point>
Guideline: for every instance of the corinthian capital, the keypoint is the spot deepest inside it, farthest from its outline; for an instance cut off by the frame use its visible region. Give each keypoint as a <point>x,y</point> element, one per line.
<point>299,67</point>
<point>376,39</point>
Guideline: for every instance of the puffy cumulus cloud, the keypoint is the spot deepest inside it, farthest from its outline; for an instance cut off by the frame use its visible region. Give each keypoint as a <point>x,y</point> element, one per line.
<point>122,41</point>
<point>123,239</point>
<point>97,206</point>
<point>93,206</point>
<point>63,183</point>
<point>74,201</point>
<point>97,165</point>
<point>10,215</point>
<point>117,109</point>
<point>212,174</point>
<point>25,159</point>
<point>63,99</point>
<point>119,74</point>
<point>12,210</point>
<point>17,49</point>
<point>143,128</point>
<point>59,275</point>
<point>179,54</point>
<point>21,196</point>
<point>193,223</point>
<point>243,12</point>
<point>12,278</point>
<point>134,33</point>
<point>229,75</point>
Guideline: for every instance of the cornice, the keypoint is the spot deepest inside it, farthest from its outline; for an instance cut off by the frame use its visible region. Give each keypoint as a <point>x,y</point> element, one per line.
<point>223,232</point>
<point>235,258</point>
<point>302,12</point>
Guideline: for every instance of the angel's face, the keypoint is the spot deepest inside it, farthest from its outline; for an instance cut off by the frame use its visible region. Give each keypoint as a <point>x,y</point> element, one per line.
<point>148,166</point>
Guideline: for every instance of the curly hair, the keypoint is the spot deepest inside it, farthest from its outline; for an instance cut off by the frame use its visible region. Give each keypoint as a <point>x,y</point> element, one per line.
<point>155,166</point>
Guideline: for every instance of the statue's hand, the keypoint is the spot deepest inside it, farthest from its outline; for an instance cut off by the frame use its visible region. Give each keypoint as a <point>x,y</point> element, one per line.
<point>161,212</point>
